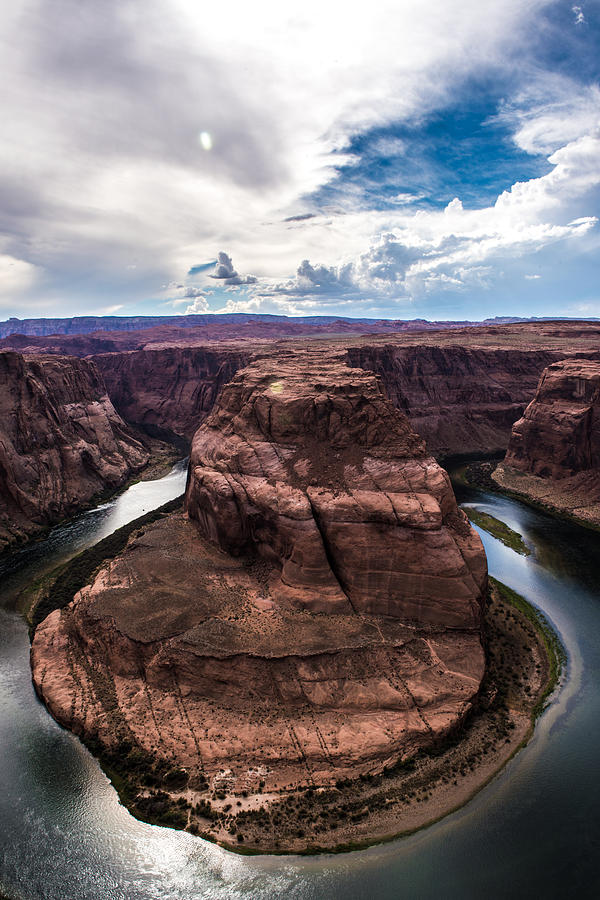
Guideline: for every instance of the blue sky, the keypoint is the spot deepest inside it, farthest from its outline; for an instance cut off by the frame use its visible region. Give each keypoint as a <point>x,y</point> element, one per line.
<point>438,160</point>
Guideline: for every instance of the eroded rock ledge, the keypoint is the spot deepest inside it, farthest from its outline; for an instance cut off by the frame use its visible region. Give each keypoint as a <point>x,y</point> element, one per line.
<point>317,614</point>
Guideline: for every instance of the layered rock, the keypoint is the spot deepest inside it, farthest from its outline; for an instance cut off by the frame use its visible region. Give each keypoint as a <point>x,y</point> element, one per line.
<point>316,615</point>
<point>169,388</point>
<point>61,441</point>
<point>306,462</point>
<point>554,450</point>
<point>460,399</point>
<point>462,388</point>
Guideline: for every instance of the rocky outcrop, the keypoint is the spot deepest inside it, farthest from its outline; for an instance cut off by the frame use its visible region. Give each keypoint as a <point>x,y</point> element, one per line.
<point>462,388</point>
<point>61,441</point>
<point>554,451</point>
<point>168,388</point>
<point>559,433</point>
<point>306,462</point>
<point>460,399</point>
<point>317,614</point>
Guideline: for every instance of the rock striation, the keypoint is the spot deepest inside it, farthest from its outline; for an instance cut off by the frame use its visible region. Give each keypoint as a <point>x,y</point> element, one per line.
<point>317,613</point>
<point>461,399</point>
<point>461,388</point>
<point>305,462</point>
<point>169,388</point>
<point>61,441</point>
<point>554,451</point>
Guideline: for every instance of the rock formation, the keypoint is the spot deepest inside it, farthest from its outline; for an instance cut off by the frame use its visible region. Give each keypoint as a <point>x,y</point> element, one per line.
<point>61,441</point>
<point>462,388</point>
<point>554,451</point>
<point>316,615</point>
<point>170,388</point>
<point>460,399</point>
<point>305,461</point>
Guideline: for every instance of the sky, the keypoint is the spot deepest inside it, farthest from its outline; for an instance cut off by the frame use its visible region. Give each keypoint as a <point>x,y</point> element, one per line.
<point>394,159</point>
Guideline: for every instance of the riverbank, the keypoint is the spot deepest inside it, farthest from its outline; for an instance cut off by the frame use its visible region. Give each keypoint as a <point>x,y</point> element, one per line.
<point>524,664</point>
<point>162,457</point>
<point>555,498</point>
<point>568,498</point>
<point>55,589</point>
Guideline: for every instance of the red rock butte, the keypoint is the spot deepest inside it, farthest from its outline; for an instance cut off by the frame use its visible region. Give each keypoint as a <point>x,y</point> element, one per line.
<point>317,613</point>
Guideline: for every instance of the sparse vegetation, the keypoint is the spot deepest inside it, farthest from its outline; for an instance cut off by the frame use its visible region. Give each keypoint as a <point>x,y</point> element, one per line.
<point>498,529</point>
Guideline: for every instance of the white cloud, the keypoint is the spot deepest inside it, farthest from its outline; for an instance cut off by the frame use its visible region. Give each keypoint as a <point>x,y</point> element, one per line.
<point>405,255</point>
<point>199,305</point>
<point>551,111</point>
<point>579,16</point>
<point>16,276</point>
<point>103,147</point>
<point>184,293</point>
<point>318,279</point>
<point>106,153</point>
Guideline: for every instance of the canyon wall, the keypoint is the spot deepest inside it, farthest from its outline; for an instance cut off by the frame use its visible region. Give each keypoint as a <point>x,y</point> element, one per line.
<point>61,441</point>
<point>172,388</point>
<point>460,399</point>
<point>554,451</point>
<point>559,433</point>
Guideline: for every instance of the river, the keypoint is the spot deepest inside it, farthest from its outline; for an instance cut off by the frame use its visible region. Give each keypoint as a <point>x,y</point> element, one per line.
<point>534,831</point>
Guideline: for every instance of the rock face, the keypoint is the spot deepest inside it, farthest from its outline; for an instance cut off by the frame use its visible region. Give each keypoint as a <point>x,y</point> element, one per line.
<point>171,388</point>
<point>316,615</point>
<point>305,462</point>
<point>462,388</point>
<point>554,450</point>
<point>460,399</point>
<point>61,441</point>
<point>559,433</point>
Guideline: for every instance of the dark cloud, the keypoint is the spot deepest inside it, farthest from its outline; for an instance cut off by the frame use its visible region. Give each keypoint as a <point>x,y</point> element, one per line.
<point>224,271</point>
<point>301,218</point>
<point>201,267</point>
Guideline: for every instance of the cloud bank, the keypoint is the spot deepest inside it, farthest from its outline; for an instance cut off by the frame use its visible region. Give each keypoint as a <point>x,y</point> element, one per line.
<point>139,139</point>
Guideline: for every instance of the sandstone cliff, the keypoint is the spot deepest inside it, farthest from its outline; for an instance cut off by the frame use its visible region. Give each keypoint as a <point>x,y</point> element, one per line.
<point>61,441</point>
<point>462,388</point>
<point>317,616</point>
<point>554,451</point>
<point>171,388</point>
<point>460,399</point>
<point>306,462</point>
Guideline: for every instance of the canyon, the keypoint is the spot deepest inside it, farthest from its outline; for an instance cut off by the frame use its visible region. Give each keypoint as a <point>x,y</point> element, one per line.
<point>61,442</point>
<point>316,614</point>
<point>462,388</point>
